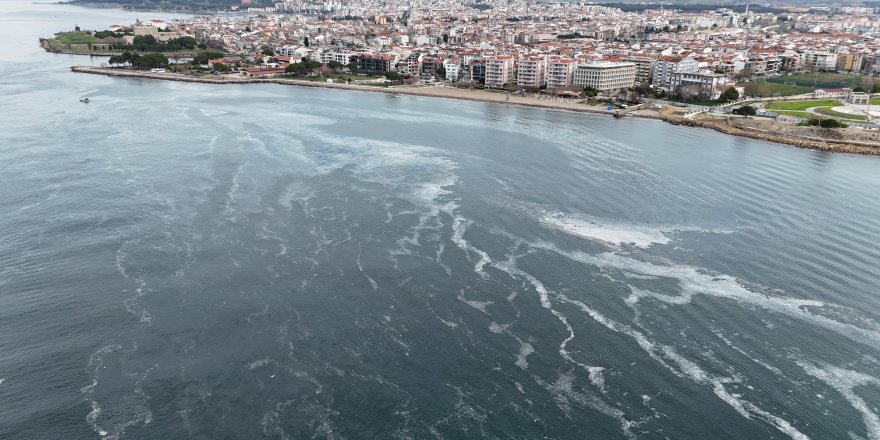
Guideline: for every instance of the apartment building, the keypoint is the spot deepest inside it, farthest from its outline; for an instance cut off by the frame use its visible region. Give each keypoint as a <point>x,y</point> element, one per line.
<point>824,61</point>
<point>870,64</point>
<point>605,76</point>
<point>560,73</point>
<point>667,66</point>
<point>702,86</point>
<point>499,71</point>
<point>850,62</point>
<point>530,72</point>
<point>644,69</point>
<point>370,63</point>
<point>477,71</point>
<point>326,56</point>
<point>453,69</point>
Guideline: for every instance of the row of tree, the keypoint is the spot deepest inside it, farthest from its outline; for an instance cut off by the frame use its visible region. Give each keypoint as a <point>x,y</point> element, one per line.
<point>149,43</point>
<point>140,61</point>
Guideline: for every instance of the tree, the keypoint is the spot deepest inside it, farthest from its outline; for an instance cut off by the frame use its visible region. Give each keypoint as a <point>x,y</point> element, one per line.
<point>268,52</point>
<point>222,68</point>
<point>590,92</point>
<point>729,95</point>
<point>859,89</point>
<point>149,60</point>
<point>335,65</point>
<point>832,123</point>
<point>745,110</point>
<point>440,72</point>
<point>393,76</point>
<point>306,41</point>
<point>303,66</point>
<point>203,57</point>
<point>824,123</point>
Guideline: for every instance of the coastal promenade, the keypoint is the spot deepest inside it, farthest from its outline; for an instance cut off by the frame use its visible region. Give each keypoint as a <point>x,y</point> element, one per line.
<point>801,137</point>
<point>429,91</point>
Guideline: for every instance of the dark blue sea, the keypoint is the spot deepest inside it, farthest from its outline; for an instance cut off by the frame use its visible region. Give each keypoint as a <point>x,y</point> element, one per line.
<point>189,261</point>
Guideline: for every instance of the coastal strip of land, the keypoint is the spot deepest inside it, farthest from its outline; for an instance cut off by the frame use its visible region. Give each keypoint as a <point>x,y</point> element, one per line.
<point>742,128</point>
<point>430,91</point>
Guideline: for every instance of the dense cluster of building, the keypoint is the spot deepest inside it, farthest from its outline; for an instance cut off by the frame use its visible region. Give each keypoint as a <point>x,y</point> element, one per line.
<point>557,46</point>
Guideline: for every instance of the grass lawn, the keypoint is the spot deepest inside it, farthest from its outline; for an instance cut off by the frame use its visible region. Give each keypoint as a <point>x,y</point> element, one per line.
<point>801,105</point>
<point>787,90</point>
<point>795,114</point>
<point>76,38</point>
<point>875,101</point>
<point>822,80</point>
<point>829,112</point>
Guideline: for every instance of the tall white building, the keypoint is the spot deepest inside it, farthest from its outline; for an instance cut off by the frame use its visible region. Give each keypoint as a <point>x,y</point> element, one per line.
<point>820,61</point>
<point>560,73</point>
<point>667,66</point>
<point>499,71</point>
<point>605,76</point>
<point>530,72</point>
<point>453,70</point>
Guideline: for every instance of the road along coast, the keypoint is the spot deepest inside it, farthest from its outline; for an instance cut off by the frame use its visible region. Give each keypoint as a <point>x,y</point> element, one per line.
<point>811,142</point>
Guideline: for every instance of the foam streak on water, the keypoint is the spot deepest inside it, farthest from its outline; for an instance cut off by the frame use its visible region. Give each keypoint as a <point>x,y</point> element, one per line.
<point>308,263</point>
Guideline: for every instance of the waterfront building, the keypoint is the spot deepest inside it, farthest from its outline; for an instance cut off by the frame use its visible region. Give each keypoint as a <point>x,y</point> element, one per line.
<point>644,69</point>
<point>669,65</point>
<point>371,63</point>
<point>530,72</point>
<point>499,71</point>
<point>702,86</point>
<point>605,76</point>
<point>560,73</point>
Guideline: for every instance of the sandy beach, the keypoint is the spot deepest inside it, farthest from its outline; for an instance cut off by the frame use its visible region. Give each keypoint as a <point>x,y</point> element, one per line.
<point>432,91</point>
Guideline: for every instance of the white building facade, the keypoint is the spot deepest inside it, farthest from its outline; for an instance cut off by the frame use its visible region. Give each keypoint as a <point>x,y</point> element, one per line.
<point>605,76</point>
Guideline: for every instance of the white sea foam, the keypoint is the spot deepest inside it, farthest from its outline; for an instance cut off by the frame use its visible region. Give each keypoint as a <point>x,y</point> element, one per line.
<point>612,233</point>
<point>459,227</point>
<point>618,233</point>
<point>524,351</point>
<point>663,354</point>
<point>479,305</point>
<point>696,281</point>
<point>497,328</point>
<point>845,382</point>
<point>258,363</point>
<point>563,390</point>
<point>361,268</point>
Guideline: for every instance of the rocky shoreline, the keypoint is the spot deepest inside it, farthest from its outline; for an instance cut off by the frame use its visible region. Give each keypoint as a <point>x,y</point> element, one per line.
<point>484,96</point>
<point>796,141</point>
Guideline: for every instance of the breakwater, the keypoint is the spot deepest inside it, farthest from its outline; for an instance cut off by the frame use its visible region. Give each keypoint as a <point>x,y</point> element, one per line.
<point>722,126</point>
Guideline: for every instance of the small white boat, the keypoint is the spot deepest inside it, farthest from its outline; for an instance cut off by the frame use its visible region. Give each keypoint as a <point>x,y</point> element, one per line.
<point>84,99</point>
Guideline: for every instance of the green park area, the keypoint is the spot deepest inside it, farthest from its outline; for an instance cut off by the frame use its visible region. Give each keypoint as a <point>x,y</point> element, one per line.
<point>811,109</point>
<point>801,105</point>
<point>104,42</point>
<point>803,83</point>
<point>826,80</point>
<point>76,38</point>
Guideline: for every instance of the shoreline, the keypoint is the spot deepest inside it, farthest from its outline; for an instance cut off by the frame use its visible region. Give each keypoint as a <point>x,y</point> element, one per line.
<point>426,91</point>
<point>475,95</point>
